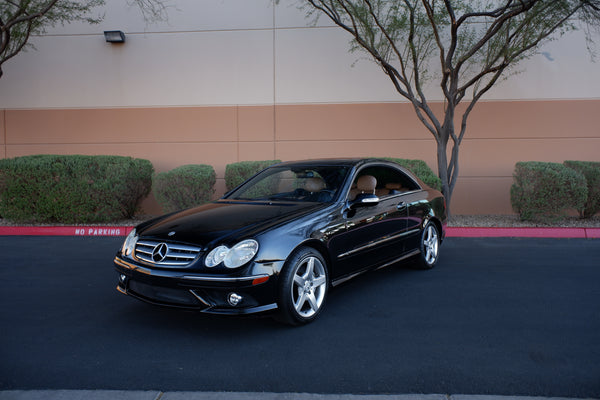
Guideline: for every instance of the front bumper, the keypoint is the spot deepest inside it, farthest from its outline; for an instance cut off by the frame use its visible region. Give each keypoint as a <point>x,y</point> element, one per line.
<point>205,293</point>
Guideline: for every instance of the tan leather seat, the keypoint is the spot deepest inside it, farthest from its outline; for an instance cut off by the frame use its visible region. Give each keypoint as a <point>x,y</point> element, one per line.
<point>395,188</point>
<point>316,187</point>
<point>286,182</point>
<point>313,185</point>
<point>364,184</point>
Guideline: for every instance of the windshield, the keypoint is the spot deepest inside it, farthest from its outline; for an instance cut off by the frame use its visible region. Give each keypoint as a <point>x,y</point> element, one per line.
<point>292,183</point>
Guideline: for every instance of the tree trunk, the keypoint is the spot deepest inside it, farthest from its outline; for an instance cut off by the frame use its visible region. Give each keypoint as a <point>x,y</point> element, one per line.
<point>442,160</point>
<point>447,171</point>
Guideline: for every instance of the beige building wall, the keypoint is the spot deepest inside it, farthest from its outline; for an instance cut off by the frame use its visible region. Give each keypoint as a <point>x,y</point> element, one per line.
<point>230,80</point>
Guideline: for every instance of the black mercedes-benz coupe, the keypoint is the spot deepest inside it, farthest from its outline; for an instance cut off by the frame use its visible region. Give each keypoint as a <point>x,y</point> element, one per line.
<point>282,239</point>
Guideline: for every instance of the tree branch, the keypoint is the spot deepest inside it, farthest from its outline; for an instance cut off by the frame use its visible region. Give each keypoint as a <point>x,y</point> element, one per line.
<point>420,105</point>
<point>506,15</point>
<point>29,17</point>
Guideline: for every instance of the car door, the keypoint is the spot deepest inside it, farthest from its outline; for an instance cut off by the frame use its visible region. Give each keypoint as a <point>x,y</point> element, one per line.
<point>418,209</point>
<point>374,233</point>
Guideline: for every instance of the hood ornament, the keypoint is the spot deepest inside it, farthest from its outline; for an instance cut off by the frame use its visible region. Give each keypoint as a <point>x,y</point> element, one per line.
<point>160,252</point>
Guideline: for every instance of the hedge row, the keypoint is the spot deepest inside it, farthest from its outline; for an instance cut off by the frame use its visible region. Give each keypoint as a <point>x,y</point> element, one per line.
<point>94,189</point>
<point>237,173</point>
<point>184,187</point>
<point>421,170</point>
<point>545,192</point>
<point>591,172</point>
<point>72,189</point>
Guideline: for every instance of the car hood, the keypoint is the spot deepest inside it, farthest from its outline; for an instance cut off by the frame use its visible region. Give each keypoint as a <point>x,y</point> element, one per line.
<point>223,220</point>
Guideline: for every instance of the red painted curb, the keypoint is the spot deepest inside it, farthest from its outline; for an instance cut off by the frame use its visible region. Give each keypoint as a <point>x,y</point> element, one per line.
<point>593,233</point>
<point>581,233</point>
<point>65,230</point>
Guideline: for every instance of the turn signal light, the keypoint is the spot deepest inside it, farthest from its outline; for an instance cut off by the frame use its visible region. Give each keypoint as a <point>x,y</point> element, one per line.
<point>260,280</point>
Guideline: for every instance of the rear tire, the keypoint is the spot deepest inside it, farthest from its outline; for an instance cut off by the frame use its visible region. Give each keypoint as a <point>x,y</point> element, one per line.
<point>429,246</point>
<point>304,283</point>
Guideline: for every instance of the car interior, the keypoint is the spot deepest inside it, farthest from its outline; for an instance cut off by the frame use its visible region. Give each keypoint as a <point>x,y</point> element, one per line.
<point>382,182</point>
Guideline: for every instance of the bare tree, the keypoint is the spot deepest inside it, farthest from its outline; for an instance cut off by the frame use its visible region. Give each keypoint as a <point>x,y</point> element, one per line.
<point>20,19</point>
<point>465,45</point>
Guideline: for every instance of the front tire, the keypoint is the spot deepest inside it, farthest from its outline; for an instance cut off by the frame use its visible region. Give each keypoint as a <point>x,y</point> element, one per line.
<point>304,286</point>
<point>429,246</point>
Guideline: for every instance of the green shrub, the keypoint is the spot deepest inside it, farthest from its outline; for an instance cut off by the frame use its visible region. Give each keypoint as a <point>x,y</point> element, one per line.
<point>421,170</point>
<point>544,192</point>
<point>238,172</point>
<point>72,188</point>
<point>184,187</point>
<point>591,171</point>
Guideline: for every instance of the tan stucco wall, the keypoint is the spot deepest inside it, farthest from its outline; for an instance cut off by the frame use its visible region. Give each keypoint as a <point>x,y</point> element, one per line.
<point>221,81</point>
<point>500,133</point>
<point>2,135</point>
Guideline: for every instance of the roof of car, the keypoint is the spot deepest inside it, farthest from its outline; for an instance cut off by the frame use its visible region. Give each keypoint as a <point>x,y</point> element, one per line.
<point>333,161</point>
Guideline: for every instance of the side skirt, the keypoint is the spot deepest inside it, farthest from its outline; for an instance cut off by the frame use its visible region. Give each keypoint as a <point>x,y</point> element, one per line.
<point>397,260</point>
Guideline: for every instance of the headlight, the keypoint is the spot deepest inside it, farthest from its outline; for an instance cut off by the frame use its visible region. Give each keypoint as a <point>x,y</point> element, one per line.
<point>129,245</point>
<point>235,257</point>
<point>241,253</point>
<point>216,256</point>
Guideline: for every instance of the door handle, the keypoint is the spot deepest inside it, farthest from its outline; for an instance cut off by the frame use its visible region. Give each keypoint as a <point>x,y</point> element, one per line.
<point>401,205</point>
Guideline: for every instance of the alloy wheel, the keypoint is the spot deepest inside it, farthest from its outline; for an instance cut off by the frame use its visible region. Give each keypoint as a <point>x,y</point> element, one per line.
<point>309,287</point>
<point>431,244</point>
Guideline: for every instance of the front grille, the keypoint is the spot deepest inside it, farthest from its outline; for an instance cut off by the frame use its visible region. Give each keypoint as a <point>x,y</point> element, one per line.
<point>166,254</point>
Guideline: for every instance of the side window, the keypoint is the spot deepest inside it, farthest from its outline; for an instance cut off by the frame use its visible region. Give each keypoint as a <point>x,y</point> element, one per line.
<point>388,182</point>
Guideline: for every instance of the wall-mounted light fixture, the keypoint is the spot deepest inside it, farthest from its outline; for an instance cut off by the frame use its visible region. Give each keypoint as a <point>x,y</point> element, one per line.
<point>114,36</point>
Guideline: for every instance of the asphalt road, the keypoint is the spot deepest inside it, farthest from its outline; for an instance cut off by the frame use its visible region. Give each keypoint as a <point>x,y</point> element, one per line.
<point>496,316</point>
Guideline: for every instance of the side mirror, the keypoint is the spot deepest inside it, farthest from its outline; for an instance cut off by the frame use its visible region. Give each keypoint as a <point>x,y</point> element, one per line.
<point>364,200</point>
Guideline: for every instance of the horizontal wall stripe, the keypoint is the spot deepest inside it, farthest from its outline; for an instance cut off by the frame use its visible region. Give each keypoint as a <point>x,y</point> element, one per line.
<point>499,135</point>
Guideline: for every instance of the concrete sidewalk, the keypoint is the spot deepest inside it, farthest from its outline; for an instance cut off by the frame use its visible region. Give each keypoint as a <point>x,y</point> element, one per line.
<point>158,395</point>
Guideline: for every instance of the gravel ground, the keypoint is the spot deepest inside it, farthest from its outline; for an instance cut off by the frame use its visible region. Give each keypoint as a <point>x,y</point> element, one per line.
<point>512,221</point>
<point>455,220</point>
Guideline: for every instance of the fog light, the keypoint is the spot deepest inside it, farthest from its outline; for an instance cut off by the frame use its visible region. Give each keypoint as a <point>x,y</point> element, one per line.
<point>234,299</point>
<point>122,278</point>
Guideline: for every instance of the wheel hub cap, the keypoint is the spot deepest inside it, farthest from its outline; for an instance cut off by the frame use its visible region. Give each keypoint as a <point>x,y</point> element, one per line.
<point>308,287</point>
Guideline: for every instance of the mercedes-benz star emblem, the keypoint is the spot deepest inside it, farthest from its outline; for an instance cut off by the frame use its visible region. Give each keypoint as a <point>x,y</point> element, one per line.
<point>160,252</point>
